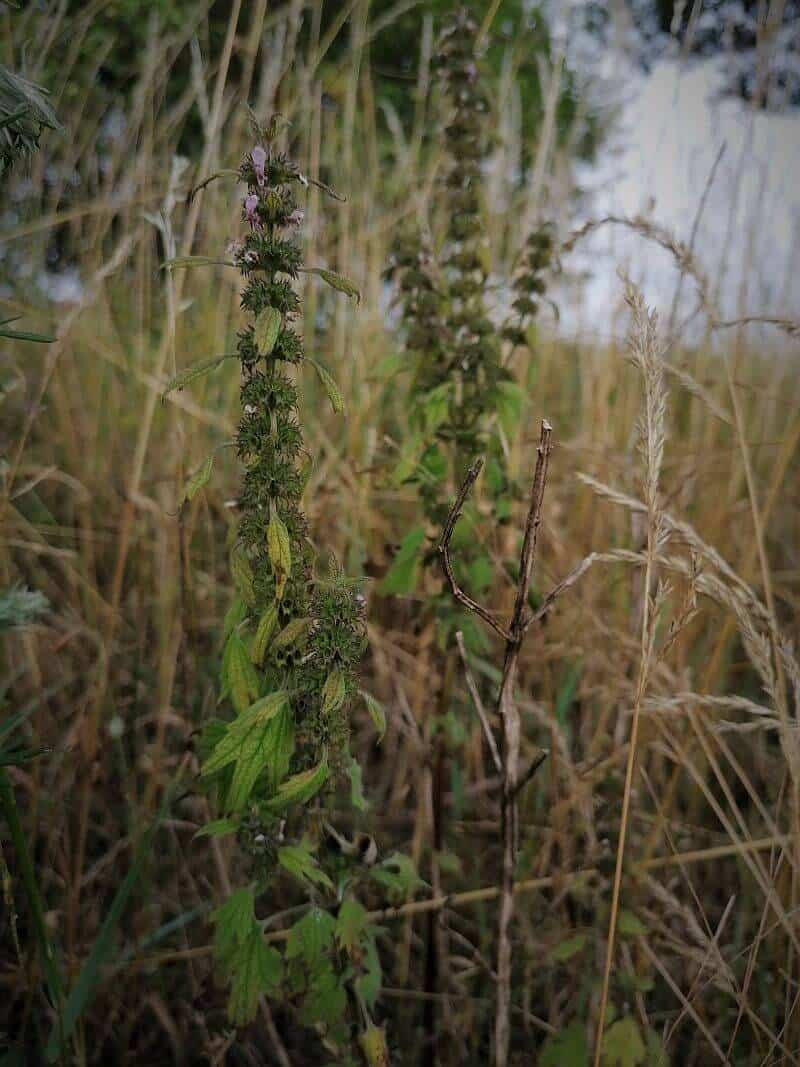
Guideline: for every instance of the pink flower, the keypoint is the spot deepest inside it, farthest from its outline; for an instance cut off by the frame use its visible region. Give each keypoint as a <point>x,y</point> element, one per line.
<point>259,158</point>
<point>251,209</point>
<point>296,218</point>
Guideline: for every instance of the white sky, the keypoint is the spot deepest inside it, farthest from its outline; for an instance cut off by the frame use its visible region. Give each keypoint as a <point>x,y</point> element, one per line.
<point>673,124</point>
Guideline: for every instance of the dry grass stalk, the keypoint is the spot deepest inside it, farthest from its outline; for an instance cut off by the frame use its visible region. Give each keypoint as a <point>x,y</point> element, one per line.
<point>643,343</point>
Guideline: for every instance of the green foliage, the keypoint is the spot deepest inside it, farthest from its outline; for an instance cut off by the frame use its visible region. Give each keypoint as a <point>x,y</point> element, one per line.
<point>464,401</point>
<point>398,875</point>
<point>567,1048</point>
<point>292,643</point>
<point>623,1045</point>
<point>299,860</point>
<point>252,967</point>
<point>401,578</point>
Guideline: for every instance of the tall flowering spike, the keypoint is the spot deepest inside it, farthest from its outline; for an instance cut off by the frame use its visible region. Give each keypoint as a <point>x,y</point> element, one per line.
<point>319,626</point>
<point>292,641</point>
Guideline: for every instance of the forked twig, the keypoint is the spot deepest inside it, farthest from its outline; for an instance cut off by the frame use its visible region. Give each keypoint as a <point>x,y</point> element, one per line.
<point>506,758</point>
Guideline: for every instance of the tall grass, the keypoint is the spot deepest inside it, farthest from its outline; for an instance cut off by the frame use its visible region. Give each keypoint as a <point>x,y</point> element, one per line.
<point>704,954</point>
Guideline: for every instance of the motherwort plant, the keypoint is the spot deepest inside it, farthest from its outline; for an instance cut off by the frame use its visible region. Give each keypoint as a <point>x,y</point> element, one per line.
<point>464,400</point>
<point>464,403</point>
<point>292,642</point>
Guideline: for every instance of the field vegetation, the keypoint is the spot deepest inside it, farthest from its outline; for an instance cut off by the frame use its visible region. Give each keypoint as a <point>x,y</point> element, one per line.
<point>591,855</point>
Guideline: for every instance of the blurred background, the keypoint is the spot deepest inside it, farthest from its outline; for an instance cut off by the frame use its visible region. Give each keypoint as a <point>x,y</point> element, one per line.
<point>634,120</point>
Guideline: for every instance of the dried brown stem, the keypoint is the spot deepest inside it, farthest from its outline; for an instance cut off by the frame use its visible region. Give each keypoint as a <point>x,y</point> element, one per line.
<point>478,705</point>
<point>507,758</point>
<point>444,552</point>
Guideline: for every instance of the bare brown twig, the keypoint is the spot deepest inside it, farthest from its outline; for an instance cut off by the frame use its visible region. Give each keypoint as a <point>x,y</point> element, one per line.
<point>507,758</point>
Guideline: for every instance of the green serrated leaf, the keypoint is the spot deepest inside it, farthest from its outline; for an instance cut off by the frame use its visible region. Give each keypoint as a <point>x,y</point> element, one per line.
<point>408,460</point>
<point>266,330</point>
<point>325,1000</point>
<point>251,744</point>
<point>265,630</point>
<point>256,970</point>
<point>565,950</point>
<point>300,788</point>
<point>397,874</point>
<point>401,578</point>
<point>235,615</point>
<point>218,828</point>
<point>376,712</point>
<point>199,479</point>
<point>197,370</point>
<point>436,407</point>
<point>509,400</point>
<point>280,552</point>
<point>233,922</point>
<point>239,677</point>
<point>242,574</point>
<point>351,922</point>
<point>368,984</point>
<point>334,691</point>
<point>336,281</point>
<point>629,925</point>
<point>623,1045</point>
<point>311,936</point>
<point>299,861</point>
<point>281,744</point>
<point>330,386</point>
<point>568,1048</point>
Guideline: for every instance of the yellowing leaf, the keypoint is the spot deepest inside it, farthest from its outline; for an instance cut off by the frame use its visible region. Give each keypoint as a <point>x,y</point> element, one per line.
<point>350,923</point>
<point>239,679</point>
<point>292,632</point>
<point>266,330</point>
<point>376,713</point>
<point>300,788</point>
<point>244,731</point>
<point>333,691</point>
<point>330,386</point>
<point>373,1045</point>
<point>280,552</point>
<point>267,626</point>
<point>336,281</point>
<point>242,574</point>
